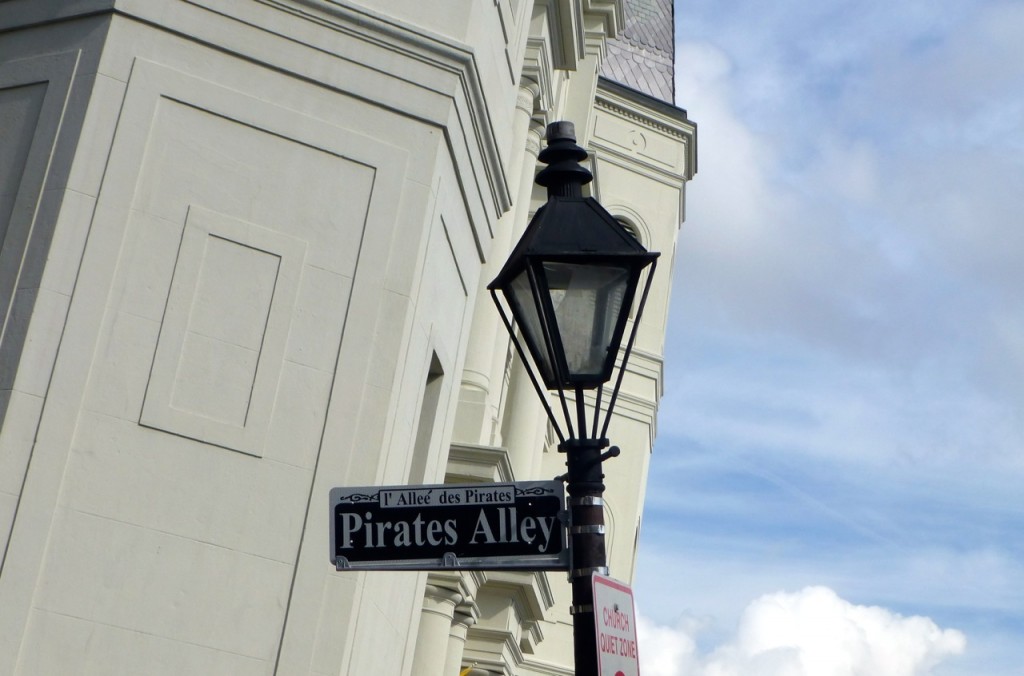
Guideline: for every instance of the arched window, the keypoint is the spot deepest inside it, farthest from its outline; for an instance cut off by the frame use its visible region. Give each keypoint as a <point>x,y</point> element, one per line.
<point>634,232</point>
<point>630,228</point>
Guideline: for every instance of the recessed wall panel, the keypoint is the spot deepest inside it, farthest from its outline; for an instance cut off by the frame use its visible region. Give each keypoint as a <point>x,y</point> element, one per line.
<point>19,113</point>
<point>233,229</point>
<point>221,344</point>
<point>33,94</point>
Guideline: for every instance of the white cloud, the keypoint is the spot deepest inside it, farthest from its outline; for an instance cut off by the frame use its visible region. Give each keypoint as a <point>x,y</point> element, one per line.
<point>812,632</point>
<point>667,651</point>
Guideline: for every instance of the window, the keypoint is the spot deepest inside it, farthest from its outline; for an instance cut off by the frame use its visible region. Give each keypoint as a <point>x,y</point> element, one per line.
<point>425,426</point>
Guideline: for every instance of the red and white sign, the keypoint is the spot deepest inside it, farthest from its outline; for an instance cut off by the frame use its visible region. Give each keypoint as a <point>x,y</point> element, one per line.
<point>615,620</point>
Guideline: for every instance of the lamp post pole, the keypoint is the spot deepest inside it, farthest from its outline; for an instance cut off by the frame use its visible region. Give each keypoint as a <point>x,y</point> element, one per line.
<point>585,486</point>
<point>569,284</point>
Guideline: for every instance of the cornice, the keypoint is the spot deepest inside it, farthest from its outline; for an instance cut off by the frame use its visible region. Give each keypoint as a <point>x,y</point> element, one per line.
<point>611,14</point>
<point>373,42</point>
<point>580,27</point>
<point>538,67</point>
<point>533,589</point>
<point>469,463</point>
<point>643,109</point>
<point>414,42</point>
<point>651,113</point>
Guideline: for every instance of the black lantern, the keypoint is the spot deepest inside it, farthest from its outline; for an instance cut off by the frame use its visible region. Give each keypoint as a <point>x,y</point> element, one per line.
<point>569,284</point>
<point>571,280</point>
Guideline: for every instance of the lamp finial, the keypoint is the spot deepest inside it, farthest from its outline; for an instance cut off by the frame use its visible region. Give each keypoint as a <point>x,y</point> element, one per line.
<point>564,176</point>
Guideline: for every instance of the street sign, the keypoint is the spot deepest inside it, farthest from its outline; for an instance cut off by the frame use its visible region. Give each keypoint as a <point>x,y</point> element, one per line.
<point>615,624</point>
<point>450,526</point>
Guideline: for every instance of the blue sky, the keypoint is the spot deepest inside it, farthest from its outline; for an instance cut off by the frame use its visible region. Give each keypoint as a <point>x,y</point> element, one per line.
<point>842,436</point>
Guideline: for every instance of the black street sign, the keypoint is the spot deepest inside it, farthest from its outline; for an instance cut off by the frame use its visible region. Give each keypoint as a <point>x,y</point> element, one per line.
<point>450,526</point>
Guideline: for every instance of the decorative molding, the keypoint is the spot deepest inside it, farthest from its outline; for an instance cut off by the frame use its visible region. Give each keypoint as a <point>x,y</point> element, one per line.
<point>441,596</point>
<point>526,598</point>
<point>643,107</point>
<point>611,14</point>
<point>565,24</point>
<point>526,97</point>
<point>532,588</point>
<point>533,634</point>
<point>579,28</point>
<point>638,115</point>
<point>538,67</point>
<point>650,113</point>
<point>371,42</point>
<point>547,668</point>
<point>468,463</point>
<point>483,666</point>
<point>533,141</point>
<point>466,615</point>
<point>414,42</point>
<point>466,583</point>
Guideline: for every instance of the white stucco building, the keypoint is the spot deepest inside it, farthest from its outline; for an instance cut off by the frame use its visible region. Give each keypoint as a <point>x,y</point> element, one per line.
<point>244,252</point>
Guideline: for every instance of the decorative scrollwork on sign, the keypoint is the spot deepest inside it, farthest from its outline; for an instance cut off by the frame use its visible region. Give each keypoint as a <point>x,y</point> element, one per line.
<point>536,490</point>
<point>361,497</point>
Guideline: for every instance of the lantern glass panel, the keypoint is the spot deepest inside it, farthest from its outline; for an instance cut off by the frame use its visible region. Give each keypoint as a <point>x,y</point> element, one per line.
<point>524,307</point>
<point>587,300</point>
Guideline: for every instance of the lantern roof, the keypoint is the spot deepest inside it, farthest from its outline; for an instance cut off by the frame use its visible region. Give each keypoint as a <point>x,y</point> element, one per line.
<point>571,227</point>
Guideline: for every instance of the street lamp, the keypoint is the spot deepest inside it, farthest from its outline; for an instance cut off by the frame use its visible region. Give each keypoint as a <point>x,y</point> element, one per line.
<point>569,285</point>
